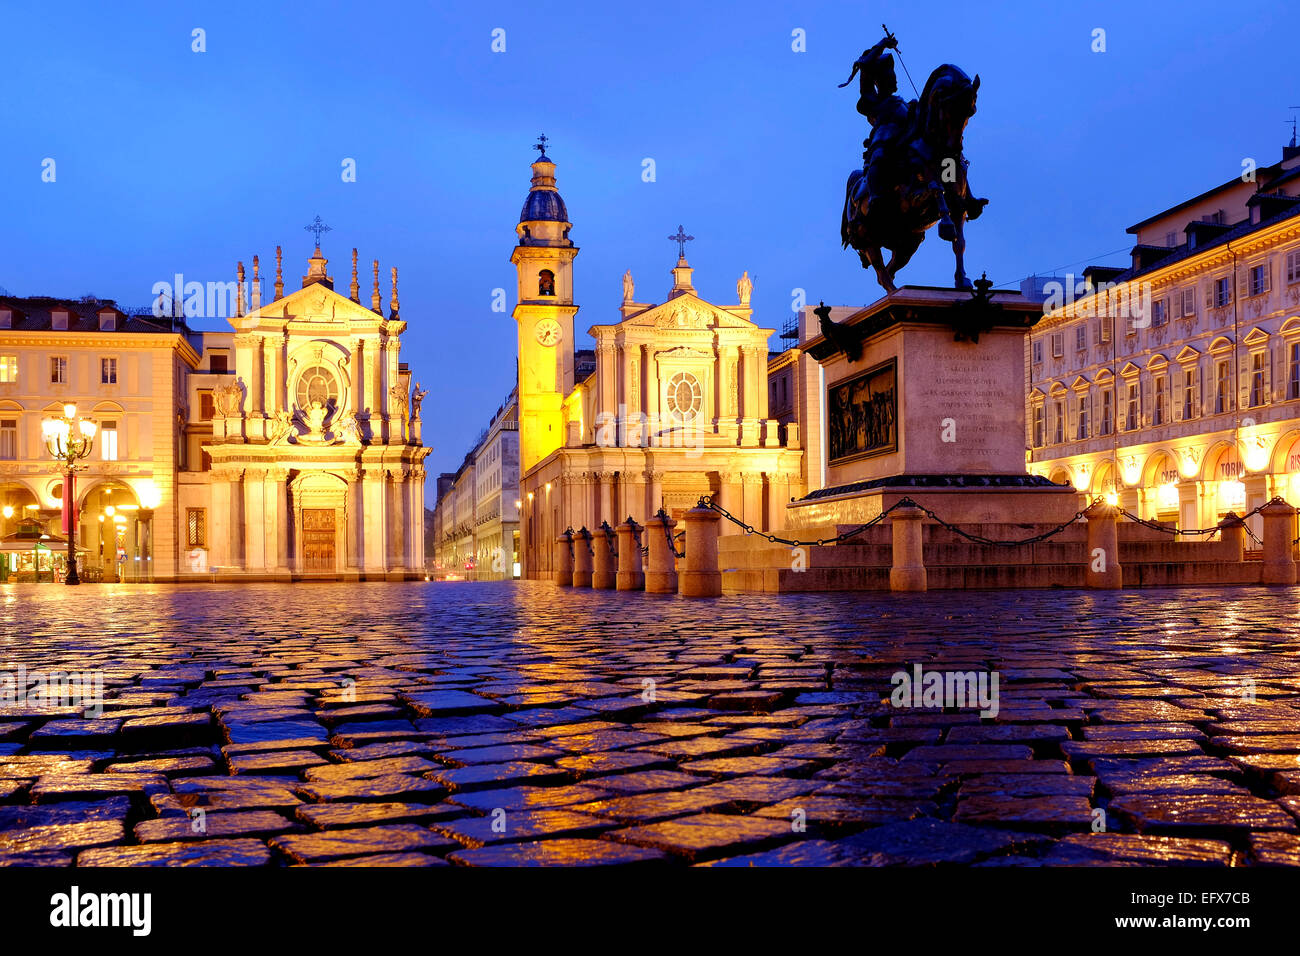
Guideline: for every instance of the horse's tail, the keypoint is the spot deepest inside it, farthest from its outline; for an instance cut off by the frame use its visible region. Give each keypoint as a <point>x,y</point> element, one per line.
<point>848,214</point>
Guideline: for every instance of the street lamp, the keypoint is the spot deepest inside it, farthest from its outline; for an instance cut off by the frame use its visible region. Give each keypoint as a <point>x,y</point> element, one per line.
<point>69,439</point>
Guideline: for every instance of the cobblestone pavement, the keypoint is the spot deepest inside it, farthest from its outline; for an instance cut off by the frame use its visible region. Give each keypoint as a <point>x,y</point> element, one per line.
<point>489,724</point>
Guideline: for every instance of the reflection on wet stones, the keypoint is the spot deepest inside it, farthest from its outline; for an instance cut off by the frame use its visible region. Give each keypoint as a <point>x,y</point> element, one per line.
<point>489,725</point>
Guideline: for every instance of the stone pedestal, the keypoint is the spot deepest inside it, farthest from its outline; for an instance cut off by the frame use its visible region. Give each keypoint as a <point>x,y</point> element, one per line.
<point>701,577</point>
<point>908,570</point>
<point>582,559</point>
<point>630,576</point>
<point>564,559</point>
<point>1279,548</point>
<point>1103,548</point>
<point>603,558</point>
<point>661,562</point>
<point>925,399</point>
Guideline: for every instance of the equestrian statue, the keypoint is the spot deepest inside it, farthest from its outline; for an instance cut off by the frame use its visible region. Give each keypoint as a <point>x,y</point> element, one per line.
<point>913,171</point>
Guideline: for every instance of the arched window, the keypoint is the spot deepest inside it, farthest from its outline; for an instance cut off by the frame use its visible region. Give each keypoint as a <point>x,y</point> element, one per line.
<point>546,282</point>
<point>317,384</point>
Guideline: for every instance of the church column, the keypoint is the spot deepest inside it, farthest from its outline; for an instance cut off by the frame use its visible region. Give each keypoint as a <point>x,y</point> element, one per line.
<point>655,484</point>
<point>729,500</point>
<point>373,521</point>
<point>751,496</point>
<point>607,380</point>
<point>395,526</point>
<point>605,508</point>
<point>371,376</point>
<point>778,494</point>
<point>358,399</point>
<point>219,522</point>
<point>355,540</point>
<point>418,559</point>
<point>634,494</point>
<point>652,395</point>
<point>749,397</point>
<point>270,380</point>
<point>255,519</point>
<point>277,519</point>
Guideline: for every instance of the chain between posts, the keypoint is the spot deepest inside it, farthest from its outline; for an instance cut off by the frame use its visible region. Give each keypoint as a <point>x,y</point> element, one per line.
<point>1198,531</point>
<point>706,501</point>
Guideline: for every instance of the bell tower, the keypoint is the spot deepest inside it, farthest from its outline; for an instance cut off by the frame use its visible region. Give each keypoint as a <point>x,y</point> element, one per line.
<point>543,260</point>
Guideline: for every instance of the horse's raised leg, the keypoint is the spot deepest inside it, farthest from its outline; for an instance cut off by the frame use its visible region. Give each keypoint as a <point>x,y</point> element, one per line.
<point>903,253</point>
<point>871,257</point>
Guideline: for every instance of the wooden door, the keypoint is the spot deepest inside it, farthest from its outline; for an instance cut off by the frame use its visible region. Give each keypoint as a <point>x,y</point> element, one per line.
<point>318,539</point>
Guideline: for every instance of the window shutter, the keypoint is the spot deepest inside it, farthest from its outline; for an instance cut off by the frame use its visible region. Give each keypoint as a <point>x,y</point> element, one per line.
<point>1243,284</point>
<point>1209,295</point>
<point>1268,275</point>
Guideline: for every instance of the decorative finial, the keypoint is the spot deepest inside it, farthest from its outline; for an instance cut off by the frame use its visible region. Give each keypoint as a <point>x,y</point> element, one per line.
<point>392,303</point>
<point>256,290</point>
<point>355,290</point>
<point>681,239</point>
<point>317,227</point>
<point>279,279</point>
<point>239,300</point>
<point>376,304</point>
<point>540,146</point>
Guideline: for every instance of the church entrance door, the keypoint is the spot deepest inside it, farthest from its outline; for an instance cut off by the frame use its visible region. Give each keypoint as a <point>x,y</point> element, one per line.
<point>318,539</point>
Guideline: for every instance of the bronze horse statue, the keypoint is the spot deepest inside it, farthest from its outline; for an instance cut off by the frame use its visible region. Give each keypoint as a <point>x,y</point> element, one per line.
<point>914,172</point>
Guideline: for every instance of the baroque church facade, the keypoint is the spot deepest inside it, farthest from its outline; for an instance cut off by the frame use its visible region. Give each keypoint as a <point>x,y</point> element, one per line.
<point>676,408</point>
<point>314,468</point>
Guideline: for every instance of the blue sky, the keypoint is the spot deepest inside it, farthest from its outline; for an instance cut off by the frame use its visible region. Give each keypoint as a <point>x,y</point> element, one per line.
<point>174,161</point>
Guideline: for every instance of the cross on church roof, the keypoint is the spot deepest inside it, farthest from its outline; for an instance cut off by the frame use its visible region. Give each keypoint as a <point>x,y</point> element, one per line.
<point>540,145</point>
<point>681,239</point>
<point>317,227</point>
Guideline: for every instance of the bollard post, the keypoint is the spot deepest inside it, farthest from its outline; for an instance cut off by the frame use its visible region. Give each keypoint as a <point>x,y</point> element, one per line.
<point>1279,554</point>
<point>630,576</point>
<point>1232,532</point>
<point>908,571</point>
<point>1102,560</point>
<point>603,561</point>
<point>701,577</point>
<point>582,558</point>
<point>564,559</point>
<point>661,563</point>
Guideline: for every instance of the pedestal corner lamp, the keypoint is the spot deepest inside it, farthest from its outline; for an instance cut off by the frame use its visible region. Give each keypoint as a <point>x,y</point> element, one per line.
<point>69,439</point>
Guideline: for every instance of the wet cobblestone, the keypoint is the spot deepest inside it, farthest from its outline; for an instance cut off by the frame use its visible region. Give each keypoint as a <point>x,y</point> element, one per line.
<point>522,724</point>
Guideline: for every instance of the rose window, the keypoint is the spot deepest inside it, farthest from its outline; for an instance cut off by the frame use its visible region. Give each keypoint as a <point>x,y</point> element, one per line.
<point>684,396</point>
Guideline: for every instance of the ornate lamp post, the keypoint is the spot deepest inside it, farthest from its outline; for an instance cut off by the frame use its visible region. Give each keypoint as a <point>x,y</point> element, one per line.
<point>69,439</point>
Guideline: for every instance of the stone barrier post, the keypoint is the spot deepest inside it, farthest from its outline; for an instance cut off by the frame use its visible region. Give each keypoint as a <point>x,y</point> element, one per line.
<point>701,577</point>
<point>602,572</point>
<point>1232,532</point>
<point>908,571</point>
<point>661,562</point>
<point>582,558</point>
<point>1102,560</point>
<point>564,559</point>
<point>1279,550</point>
<point>630,576</point>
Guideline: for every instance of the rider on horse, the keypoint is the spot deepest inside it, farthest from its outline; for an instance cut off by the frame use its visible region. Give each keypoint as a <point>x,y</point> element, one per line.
<point>888,113</point>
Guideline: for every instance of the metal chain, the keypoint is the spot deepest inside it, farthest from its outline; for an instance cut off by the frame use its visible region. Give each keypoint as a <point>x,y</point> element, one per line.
<point>706,501</point>
<point>995,542</point>
<point>1198,531</point>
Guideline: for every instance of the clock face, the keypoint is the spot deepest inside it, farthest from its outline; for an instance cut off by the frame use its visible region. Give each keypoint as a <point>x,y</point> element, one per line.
<point>547,332</point>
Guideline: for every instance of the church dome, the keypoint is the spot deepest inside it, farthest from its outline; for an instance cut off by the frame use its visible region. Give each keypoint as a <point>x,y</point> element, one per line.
<point>544,206</point>
<point>544,203</point>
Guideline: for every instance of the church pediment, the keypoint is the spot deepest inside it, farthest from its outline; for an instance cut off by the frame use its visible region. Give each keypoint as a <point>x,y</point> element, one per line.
<point>316,304</point>
<point>687,312</point>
